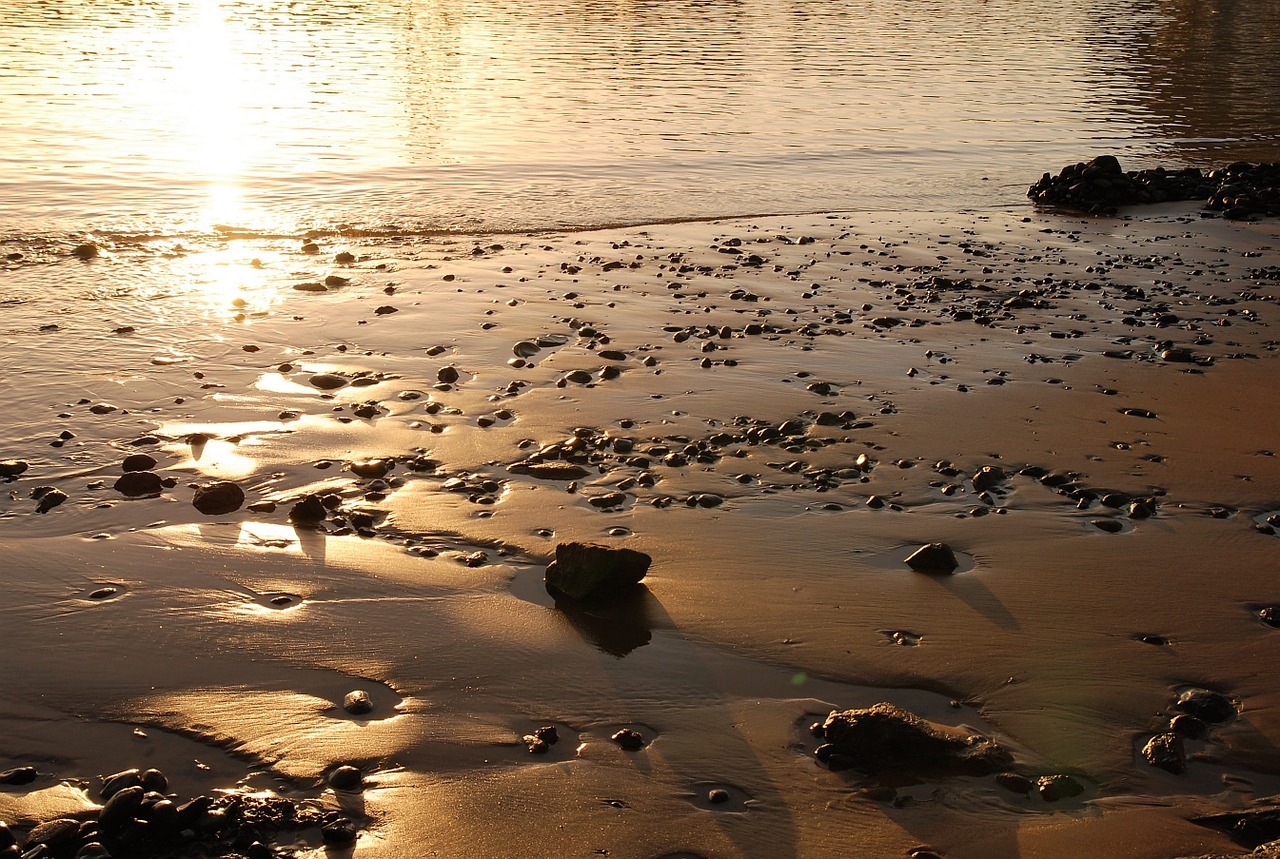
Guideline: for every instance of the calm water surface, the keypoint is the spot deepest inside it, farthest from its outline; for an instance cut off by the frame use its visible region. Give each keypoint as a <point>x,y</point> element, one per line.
<point>179,117</point>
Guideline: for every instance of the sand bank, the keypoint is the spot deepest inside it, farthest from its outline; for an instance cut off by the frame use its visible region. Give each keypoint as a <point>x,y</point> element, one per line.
<point>778,411</point>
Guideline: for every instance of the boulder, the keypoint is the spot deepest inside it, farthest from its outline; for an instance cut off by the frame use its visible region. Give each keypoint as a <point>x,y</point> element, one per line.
<point>887,738</point>
<point>933,558</point>
<point>591,573</point>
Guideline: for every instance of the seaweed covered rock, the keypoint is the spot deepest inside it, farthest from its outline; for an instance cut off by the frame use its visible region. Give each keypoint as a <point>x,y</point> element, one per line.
<point>591,573</point>
<point>887,738</point>
<point>1101,186</point>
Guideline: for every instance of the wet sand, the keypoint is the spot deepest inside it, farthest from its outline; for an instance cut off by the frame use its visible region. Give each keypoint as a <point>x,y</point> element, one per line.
<point>778,411</point>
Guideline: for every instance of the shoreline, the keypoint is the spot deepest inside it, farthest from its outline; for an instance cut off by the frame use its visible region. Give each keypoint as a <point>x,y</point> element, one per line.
<point>776,591</point>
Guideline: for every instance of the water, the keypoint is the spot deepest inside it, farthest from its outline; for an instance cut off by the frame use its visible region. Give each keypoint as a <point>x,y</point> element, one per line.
<point>183,117</point>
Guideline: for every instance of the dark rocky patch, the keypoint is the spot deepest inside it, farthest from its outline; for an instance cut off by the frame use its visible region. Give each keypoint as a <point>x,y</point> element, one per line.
<point>885,738</point>
<point>589,573</point>
<point>1101,186</point>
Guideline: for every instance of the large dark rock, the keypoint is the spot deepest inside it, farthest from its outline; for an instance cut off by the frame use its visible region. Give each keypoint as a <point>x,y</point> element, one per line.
<point>887,738</point>
<point>1166,752</point>
<point>218,499</point>
<point>1209,706</point>
<point>933,558</point>
<point>12,467</point>
<point>137,484</point>
<point>589,572</point>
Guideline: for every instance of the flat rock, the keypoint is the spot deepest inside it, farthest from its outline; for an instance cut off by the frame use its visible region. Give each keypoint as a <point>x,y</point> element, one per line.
<point>933,558</point>
<point>887,738</point>
<point>327,381</point>
<point>550,470</point>
<point>590,572</point>
<point>12,467</point>
<point>218,499</point>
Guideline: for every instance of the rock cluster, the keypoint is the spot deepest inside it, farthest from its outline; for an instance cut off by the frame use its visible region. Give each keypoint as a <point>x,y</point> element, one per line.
<point>140,818</point>
<point>1101,186</point>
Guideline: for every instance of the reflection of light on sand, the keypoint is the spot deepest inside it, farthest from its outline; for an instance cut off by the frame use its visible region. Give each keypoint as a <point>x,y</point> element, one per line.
<point>276,383</point>
<point>264,535</point>
<point>228,280</point>
<point>218,458</point>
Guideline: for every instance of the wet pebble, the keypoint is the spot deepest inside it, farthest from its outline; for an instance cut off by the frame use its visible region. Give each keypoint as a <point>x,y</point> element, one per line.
<point>47,498</point>
<point>346,778</point>
<point>629,739</point>
<point>138,462</point>
<point>1055,787</point>
<point>18,776</point>
<point>357,702</point>
<point>327,381</point>
<point>1166,752</point>
<point>933,558</point>
<point>12,467</point>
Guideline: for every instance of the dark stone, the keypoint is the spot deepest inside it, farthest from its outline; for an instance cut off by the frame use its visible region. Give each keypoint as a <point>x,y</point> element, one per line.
<point>93,850</point>
<point>155,781</point>
<point>590,572</point>
<point>137,484</point>
<point>18,776</point>
<point>309,511</point>
<point>548,734</point>
<point>138,462</point>
<point>218,499</point>
<point>536,745</point>
<point>1186,725</point>
<point>448,375</point>
<point>1166,752</point>
<point>1212,707</point>
<point>988,477</point>
<point>54,834</point>
<point>1270,615</point>
<point>328,381</point>
<point>49,498</point>
<point>357,702</point>
<point>550,470</point>
<point>886,738</point>
<point>629,739</point>
<point>346,778</point>
<point>340,833</point>
<point>1055,787</point>
<point>372,468</point>
<point>12,467</point>
<point>120,809</point>
<point>717,796</point>
<point>933,558</point>
<point>1015,782</point>
<point>119,781</point>
<point>1249,828</point>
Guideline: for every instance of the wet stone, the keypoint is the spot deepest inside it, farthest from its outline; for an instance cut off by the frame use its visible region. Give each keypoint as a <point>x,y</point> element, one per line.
<point>937,558</point>
<point>1056,787</point>
<point>18,776</point>
<point>629,739</point>
<point>327,381</point>
<point>116,782</point>
<point>138,462</point>
<point>346,778</point>
<point>309,511</point>
<point>590,572</point>
<point>357,702</point>
<point>48,498</point>
<point>536,745</point>
<point>887,738</point>
<point>1015,783</point>
<point>218,499</point>
<point>1270,615</point>
<point>1186,725</point>
<point>339,833</point>
<point>137,484</point>
<point>1166,752</point>
<point>12,467</point>
<point>54,834</point>
<point>1213,707</point>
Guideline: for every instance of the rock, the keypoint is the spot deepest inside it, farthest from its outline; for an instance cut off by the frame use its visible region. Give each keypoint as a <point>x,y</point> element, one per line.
<point>886,738</point>
<point>535,744</point>
<point>12,467</point>
<point>218,499</point>
<point>629,739</point>
<point>138,462</point>
<point>93,850</point>
<point>988,477</point>
<point>117,782</point>
<point>933,558</point>
<point>1055,787</point>
<point>1186,725</point>
<point>372,468</point>
<point>1211,707</point>
<point>447,375</point>
<point>120,809</point>
<point>1166,752</point>
<point>339,833</point>
<point>346,778</point>
<point>48,497</point>
<point>137,484</point>
<point>309,511</point>
<point>548,734</point>
<point>608,499</point>
<point>1270,615</point>
<point>550,470</point>
<point>1015,782</point>
<point>357,702</point>
<point>85,251</point>
<point>54,834</point>
<point>328,381</point>
<point>1250,828</point>
<point>18,776</point>
<point>717,796</point>
<point>590,572</point>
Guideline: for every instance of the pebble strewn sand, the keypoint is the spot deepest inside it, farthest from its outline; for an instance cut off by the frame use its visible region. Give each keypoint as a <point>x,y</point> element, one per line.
<point>779,412</point>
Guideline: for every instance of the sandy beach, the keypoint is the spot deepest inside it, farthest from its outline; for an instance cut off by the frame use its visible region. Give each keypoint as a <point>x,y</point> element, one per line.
<point>778,411</point>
